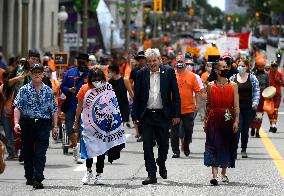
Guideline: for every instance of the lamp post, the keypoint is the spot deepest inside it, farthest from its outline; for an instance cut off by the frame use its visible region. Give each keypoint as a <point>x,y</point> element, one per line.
<point>112,28</point>
<point>25,23</point>
<point>62,16</point>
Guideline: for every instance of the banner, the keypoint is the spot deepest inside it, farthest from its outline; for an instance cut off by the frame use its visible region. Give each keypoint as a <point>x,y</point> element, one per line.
<point>228,44</point>
<point>244,39</point>
<point>102,122</point>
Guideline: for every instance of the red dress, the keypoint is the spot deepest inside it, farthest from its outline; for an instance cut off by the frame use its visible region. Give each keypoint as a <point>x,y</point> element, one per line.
<point>220,145</point>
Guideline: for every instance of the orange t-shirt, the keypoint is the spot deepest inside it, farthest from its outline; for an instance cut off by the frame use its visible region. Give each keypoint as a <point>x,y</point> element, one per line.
<point>83,90</point>
<point>205,76</point>
<point>125,70</point>
<point>187,84</point>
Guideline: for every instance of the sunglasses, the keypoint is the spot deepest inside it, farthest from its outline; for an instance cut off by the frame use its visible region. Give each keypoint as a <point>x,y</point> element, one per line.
<point>189,64</point>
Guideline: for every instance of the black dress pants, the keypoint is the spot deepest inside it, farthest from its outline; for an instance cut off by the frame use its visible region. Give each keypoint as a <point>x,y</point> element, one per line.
<point>155,123</point>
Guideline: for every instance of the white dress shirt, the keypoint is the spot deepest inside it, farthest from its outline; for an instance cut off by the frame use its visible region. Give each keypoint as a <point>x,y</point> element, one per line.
<point>155,99</point>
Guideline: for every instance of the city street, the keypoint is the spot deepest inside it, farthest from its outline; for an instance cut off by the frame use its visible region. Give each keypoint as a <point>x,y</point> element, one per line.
<point>261,174</point>
<point>257,175</point>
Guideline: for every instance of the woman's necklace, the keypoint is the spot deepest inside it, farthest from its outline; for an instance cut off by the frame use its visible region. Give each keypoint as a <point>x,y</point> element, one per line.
<point>222,84</point>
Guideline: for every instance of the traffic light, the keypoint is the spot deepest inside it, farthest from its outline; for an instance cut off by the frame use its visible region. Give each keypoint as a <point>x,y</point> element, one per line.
<point>257,14</point>
<point>229,19</point>
<point>191,11</point>
<point>158,6</point>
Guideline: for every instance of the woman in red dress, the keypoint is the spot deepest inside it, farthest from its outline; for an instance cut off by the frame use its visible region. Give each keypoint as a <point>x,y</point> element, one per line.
<point>221,123</point>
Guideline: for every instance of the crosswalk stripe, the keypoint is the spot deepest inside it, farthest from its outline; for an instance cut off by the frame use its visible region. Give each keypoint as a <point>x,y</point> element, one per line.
<point>275,155</point>
<point>82,167</point>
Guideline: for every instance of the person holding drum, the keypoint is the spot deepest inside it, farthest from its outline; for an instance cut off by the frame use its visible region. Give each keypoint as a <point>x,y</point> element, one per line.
<point>263,80</point>
<point>276,80</point>
<point>249,92</point>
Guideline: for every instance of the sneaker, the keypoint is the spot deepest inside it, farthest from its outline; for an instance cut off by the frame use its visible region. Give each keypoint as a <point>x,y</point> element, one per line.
<point>140,139</point>
<point>80,161</point>
<point>244,154</point>
<point>98,180</point>
<point>225,179</point>
<point>214,181</point>
<point>87,177</point>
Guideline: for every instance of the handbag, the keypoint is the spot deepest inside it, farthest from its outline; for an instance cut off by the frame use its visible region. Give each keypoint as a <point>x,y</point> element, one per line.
<point>268,106</point>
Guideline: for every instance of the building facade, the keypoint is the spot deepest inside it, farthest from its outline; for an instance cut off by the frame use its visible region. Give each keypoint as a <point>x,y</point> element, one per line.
<point>232,7</point>
<point>42,26</point>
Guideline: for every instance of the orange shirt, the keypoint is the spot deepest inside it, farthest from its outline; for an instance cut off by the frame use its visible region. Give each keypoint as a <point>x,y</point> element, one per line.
<point>187,84</point>
<point>83,90</point>
<point>205,76</point>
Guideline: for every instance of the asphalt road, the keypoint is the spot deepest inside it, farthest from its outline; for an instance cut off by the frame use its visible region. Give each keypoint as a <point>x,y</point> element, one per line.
<point>261,174</point>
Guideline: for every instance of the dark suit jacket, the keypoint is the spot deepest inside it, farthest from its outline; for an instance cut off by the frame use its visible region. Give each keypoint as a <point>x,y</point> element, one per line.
<point>169,93</point>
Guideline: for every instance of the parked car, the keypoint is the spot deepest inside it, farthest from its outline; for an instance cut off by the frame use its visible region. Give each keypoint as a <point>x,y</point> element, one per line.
<point>273,40</point>
<point>258,42</point>
<point>281,43</point>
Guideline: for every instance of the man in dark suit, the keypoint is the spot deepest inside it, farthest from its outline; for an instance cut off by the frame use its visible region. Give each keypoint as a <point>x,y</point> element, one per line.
<point>156,106</point>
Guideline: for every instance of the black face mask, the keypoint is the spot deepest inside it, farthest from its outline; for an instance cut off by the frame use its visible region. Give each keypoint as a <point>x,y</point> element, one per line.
<point>224,73</point>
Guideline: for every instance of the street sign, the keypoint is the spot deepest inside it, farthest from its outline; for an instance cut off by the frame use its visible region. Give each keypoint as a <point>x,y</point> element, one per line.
<point>158,6</point>
<point>61,59</point>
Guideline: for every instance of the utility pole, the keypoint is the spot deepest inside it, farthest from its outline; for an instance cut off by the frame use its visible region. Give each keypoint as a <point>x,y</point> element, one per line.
<point>127,24</point>
<point>85,26</point>
<point>25,23</point>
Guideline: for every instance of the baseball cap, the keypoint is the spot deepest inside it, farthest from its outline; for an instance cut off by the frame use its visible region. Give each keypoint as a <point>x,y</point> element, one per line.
<point>34,53</point>
<point>37,66</point>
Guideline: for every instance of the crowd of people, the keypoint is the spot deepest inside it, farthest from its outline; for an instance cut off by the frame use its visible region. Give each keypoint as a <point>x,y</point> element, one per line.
<point>99,95</point>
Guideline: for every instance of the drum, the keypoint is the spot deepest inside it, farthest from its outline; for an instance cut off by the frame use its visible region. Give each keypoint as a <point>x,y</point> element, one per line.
<point>269,92</point>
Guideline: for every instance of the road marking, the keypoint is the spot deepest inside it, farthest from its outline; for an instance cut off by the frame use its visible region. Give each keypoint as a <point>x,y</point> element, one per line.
<point>82,167</point>
<point>275,155</point>
<point>280,112</point>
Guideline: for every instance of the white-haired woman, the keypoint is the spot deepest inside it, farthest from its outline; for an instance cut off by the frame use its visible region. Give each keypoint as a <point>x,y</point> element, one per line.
<point>156,106</point>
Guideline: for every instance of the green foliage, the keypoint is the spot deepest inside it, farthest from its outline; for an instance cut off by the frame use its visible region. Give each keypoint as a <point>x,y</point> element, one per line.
<point>78,4</point>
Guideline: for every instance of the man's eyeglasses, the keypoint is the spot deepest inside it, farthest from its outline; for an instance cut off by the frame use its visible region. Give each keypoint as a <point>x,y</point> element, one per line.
<point>37,72</point>
<point>34,59</point>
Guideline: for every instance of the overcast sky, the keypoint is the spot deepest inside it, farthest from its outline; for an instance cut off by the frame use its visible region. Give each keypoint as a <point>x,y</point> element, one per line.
<point>218,3</point>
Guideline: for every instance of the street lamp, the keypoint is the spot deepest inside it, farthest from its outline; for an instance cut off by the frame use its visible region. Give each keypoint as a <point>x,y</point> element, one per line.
<point>62,16</point>
<point>112,28</point>
<point>25,24</point>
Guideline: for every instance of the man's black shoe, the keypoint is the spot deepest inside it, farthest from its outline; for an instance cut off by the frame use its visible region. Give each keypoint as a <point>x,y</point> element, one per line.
<point>38,185</point>
<point>257,135</point>
<point>187,152</point>
<point>149,180</point>
<point>274,129</point>
<point>175,156</point>
<point>271,129</point>
<point>252,132</point>
<point>163,173</point>
<point>30,182</point>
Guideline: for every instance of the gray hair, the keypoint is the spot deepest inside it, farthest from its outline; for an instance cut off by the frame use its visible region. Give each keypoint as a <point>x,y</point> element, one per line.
<point>152,52</point>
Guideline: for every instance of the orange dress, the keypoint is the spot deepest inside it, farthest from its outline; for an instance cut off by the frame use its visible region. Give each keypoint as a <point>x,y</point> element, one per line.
<point>220,146</point>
